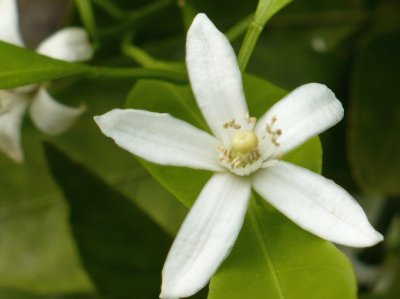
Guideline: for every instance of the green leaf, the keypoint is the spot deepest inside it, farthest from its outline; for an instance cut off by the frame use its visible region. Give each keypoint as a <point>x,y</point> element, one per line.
<point>273,258</point>
<point>37,253</point>
<point>11,294</point>
<point>19,66</point>
<point>269,245</point>
<point>374,143</point>
<point>114,165</point>
<point>122,249</point>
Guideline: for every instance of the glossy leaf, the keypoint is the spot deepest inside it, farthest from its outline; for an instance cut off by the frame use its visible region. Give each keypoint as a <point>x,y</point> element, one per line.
<point>122,249</point>
<point>19,66</point>
<point>374,143</point>
<point>34,225</point>
<point>248,270</point>
<point>11,294</point>
<point>37,252</point>
<point>274,258</point>
<point>110,162</point>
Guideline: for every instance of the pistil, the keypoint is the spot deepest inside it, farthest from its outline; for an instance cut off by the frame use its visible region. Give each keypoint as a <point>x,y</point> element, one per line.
<point>244,141</point>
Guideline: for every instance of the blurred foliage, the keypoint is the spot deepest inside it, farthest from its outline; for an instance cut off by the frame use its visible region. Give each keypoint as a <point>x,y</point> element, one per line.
<point>22,67</point>
<point>122,249</point>
<point>375,116</point>
<point>350,45</point>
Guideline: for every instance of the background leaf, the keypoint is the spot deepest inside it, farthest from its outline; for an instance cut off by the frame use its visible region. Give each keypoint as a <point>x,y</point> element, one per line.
<point>19,66</point>
<point>375,116</point>
<point>122,249</point>
<point>37,253</point>
<point>274,258</point>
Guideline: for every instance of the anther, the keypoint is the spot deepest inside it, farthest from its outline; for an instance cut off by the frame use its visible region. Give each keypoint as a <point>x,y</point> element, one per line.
<point>250,120</point>
<point>231,124</point>
<point>274,134</point>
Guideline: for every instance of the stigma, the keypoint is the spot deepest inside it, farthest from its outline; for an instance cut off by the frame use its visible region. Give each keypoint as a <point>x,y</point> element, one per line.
<point>240,154</point>
<point>244,141</point>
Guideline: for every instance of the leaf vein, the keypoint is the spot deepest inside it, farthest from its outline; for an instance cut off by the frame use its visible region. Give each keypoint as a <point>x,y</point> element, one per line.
<point>255,221</point>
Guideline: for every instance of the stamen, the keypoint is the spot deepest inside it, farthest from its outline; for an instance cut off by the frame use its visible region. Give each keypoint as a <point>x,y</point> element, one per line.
<point>243,156</point>
<point>274,134</point>
<point>231,124</point>
<point>250,120</point>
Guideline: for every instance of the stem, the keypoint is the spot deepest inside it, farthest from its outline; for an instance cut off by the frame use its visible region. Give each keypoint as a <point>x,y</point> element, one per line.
<point>137,73</point>
<point>110,8</point>
<point>265,10</point>
<point>140,56</point>
<point>86,12</point>
<point>136,16</point>
<point>146,60</point>
<point>239,28</point>
<point>149,9</point>
<point>248,45</point>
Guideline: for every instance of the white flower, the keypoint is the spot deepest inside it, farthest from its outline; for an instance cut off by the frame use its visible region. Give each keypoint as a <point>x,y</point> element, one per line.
<point>243,153</point>
<point>51,117</point>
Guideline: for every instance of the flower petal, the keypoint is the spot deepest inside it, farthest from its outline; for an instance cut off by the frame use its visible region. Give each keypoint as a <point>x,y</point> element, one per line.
<point>160,138</point>
<point>9,26</point>
<point>206,236</point>
<point>307,111</point>
<point>214,75</point>
<point>316,204</point>
<point>50,116</point>
<point>12,108</point>
<point>69,44</point>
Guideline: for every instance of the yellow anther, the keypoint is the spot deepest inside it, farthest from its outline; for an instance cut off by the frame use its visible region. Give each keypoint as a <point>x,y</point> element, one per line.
<point>231,124</point>
<point>250,120</point>
<point>274,134</point>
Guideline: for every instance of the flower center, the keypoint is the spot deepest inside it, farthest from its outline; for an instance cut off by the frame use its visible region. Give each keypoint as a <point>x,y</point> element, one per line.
<point>245,152</point>
<point>244,141</point>
<point>240,155</point>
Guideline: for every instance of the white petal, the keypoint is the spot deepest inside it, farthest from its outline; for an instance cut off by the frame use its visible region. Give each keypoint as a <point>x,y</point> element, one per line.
<point>24,90</point>
<point>50,116</point>
<point>9,26</point>
<point>307,111</point>
<point>12,108</point>
<point>206,236</point>
<point>214,75</point>
<point>69,44</point>
<point>160,138</point>
<point>316,204</point>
